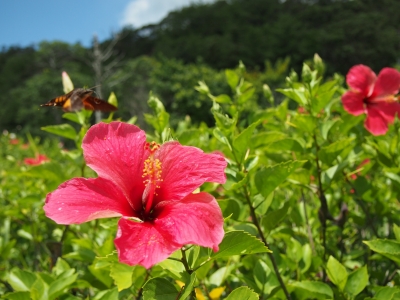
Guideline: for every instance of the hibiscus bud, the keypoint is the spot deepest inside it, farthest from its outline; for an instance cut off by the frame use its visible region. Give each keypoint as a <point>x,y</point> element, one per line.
<point>319,64</point>
<point>268,94</point>
<point>306,75</point>
<point>293,77</point>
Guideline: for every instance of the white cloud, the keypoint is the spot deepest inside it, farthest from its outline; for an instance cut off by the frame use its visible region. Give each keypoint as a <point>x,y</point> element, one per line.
<point>143,12</point>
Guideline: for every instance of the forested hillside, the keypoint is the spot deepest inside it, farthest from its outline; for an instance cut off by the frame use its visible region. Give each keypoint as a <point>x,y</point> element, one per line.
<point>196,42</point>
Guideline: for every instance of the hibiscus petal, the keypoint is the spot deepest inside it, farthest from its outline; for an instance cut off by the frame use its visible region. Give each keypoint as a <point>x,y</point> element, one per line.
<point>143,243</point>
<point>388,83</point>
<point>377,121</point>
<point>185,168</point>
<point>115,151</point>
<point>80,200</point>
<point>353,103</point>
<point>361,79</point>
<point>197,219</point>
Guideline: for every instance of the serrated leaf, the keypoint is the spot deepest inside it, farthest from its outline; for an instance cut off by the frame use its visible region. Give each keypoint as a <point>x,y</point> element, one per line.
<point>273,218</point>
<point>239,243</point>
<point>311,290</point>
<point>122,275</point>
<point>64,130</point>
<point>336,272</point>
<point>242,293</point>
<point>357,281</point>
<point>388,248</point>
<point>270,178</point>
<point>159,289</point>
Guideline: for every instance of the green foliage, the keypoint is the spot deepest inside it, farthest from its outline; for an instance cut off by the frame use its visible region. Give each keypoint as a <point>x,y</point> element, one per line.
<point>310,202</point>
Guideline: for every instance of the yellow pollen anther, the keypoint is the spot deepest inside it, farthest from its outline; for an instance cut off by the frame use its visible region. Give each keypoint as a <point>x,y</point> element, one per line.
<point>152,167</point>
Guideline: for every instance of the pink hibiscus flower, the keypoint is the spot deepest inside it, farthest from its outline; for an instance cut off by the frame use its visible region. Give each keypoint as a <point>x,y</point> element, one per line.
<point>374,96</point>
<point>35,161</point>
<point>150,187</point>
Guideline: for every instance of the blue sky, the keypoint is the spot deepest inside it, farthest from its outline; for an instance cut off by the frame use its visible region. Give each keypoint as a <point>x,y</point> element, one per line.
<point>28,22</point>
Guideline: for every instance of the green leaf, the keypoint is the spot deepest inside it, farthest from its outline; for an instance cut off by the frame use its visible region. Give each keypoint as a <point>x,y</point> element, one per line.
<point>242,293</point>
<point>270,178</point>
<point>329,153</point>
<point>232,78</point>
<point>64,130</point>
<point>230,207</point>
<point>188,287</point>
<point>323,97</point>
<point>242,142</point>
<point>266,138</point>
<point>246,95</point>
<point>72,117</point>
<point>326,126</point>
<point>388,248</point>
<point>239,243</point>
<point>57,287</point>
<point>122,275</point>
<point>357,281</point>
<point>336,272</point>
<point>285,145</point>
<point>159,289</point>
<point>388,293</point>
<point>304,122</point>
<point>39,290</point>
<point>18,296</point>
<point>311,290</point>
<point>295,94</point>
<point>21,280</point>
<point>273,218</point>
<point>221,137</point>
<point>396,230</point>
<point>111,294</point>
<point>112,99</point>
<point>223,99</point>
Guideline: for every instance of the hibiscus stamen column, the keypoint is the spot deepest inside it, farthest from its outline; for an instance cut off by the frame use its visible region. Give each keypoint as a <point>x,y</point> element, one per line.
<point>152,173</point>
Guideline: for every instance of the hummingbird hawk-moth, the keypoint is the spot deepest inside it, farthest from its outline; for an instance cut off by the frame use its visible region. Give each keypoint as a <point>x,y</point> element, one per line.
<point>79,99</point>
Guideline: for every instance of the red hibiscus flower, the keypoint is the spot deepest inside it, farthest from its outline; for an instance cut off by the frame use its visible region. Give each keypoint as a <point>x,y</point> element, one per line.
<point>38,160</point>
<point>374,96</point>
<point>150,187</point>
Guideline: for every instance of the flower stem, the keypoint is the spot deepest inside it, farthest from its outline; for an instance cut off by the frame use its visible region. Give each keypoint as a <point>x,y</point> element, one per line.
<point>260,232</point>
<point>323,212</point>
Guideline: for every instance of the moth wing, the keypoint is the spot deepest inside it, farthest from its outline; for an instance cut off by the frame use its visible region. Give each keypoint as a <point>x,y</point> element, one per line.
<point>64,101</point>
<point>93,103</point>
